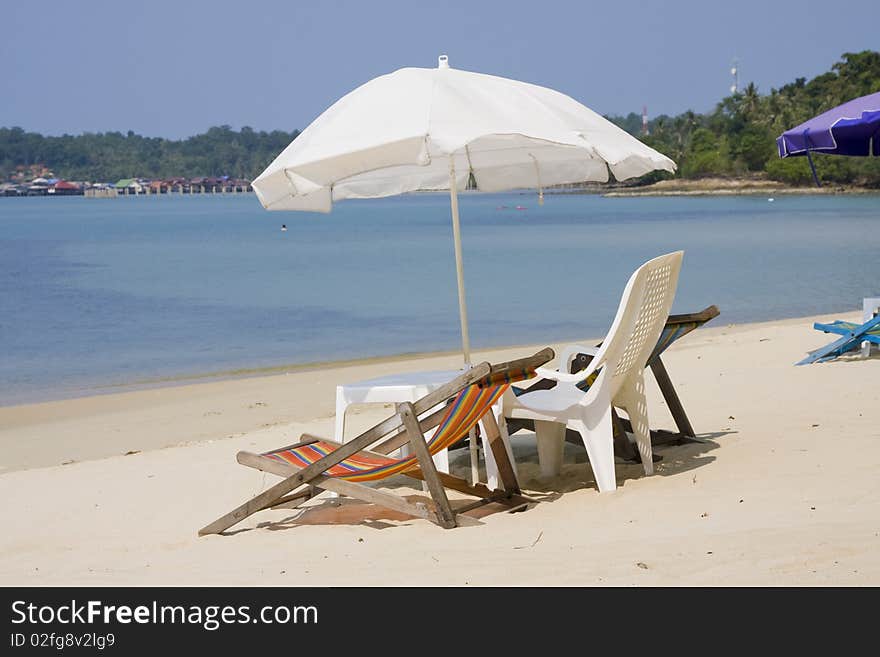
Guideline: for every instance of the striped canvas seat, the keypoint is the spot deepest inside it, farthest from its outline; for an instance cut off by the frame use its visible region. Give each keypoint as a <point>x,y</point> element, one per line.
<point>671,333</point>
<point>462,414</point>
<point>313,466</point>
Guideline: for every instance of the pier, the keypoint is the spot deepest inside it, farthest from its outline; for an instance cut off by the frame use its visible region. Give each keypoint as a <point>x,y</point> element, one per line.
<point>132,188</point>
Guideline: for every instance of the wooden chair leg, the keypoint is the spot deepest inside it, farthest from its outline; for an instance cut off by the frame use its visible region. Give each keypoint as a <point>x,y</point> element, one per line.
<point>506,472</point>
<point>622,446</point>
<point>265,499</point>
<point>671,397</point>
<point>339,486</point>
<point>486,494</point>
<point>445,514</point>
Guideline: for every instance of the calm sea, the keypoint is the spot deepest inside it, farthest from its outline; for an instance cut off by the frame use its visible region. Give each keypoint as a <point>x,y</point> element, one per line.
<point>97,293</point>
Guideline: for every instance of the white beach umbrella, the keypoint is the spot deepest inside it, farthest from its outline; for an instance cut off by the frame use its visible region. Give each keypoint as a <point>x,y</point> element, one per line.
<point>432,129</point>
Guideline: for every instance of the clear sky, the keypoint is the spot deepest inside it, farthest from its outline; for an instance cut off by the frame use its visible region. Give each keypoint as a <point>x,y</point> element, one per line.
<point>171,68</point>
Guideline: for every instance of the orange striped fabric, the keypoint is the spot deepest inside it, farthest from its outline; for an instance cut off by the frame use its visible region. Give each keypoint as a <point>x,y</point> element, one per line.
<point>461,415</point>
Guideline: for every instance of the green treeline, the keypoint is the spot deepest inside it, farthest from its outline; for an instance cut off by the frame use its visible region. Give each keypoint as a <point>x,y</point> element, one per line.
<point>739,137</point>
<point>110,156</point>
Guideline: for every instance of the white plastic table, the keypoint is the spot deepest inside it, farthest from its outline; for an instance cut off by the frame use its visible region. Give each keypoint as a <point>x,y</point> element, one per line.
<point>870,309</point>
<point>407,387</point>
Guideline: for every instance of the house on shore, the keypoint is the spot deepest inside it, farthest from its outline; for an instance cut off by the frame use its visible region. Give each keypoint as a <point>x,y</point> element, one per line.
<point>38,187</point>
<point>65,188</point>
<point>129,186</point>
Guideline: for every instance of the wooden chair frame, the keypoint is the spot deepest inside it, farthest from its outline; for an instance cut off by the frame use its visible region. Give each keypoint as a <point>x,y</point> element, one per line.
<point>402,428</point>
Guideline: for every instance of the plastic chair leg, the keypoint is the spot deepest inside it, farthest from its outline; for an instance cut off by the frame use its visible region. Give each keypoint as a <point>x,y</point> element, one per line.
<point>596,432</point>
<point>551,444</point>
<point>633,400</point>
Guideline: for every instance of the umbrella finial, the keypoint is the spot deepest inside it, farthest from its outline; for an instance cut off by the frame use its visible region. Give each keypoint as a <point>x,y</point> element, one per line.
<point>443,61</point>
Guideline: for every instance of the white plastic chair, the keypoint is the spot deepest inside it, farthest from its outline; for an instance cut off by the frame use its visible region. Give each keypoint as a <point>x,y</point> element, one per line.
<point>618,365</point>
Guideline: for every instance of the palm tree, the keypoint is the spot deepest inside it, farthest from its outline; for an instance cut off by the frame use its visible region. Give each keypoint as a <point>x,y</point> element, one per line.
<point>750,101</point>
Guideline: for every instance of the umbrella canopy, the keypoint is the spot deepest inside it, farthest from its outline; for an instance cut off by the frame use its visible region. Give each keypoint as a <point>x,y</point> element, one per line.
<point>400,132</point>
<point>437,129</point>
<point>852,128</point>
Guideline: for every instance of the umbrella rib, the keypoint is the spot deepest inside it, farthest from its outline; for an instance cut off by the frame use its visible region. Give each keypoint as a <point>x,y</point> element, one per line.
<point>589,153</point>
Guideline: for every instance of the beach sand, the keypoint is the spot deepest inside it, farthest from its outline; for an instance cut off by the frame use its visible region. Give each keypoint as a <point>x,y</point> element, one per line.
<point>732,187</point>
<point>111,490</point>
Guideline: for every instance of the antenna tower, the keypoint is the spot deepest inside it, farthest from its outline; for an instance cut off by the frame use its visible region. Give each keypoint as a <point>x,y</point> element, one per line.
<point>734,71</point>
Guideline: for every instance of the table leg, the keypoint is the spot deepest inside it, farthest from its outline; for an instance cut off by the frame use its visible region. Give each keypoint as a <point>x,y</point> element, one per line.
<point>341,406</point>
<point>475,459</point>
<point>870,309</point>
<point>339,429</point>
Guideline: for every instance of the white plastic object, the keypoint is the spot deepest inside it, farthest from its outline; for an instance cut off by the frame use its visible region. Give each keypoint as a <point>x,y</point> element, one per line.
<point>394,388</point>
<point>551,446</point>
<point>870,308</point>
<point>409,387</point>
<point>620,363</point>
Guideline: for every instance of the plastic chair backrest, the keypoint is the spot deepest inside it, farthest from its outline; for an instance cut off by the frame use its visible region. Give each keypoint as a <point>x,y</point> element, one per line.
<point>644,308</point>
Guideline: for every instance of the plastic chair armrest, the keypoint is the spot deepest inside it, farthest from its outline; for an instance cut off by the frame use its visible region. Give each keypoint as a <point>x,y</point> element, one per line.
<point>562,377</point>
<point>568,353</point>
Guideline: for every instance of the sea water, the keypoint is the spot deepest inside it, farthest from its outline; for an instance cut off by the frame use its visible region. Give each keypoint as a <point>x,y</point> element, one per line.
<point>101,293</point>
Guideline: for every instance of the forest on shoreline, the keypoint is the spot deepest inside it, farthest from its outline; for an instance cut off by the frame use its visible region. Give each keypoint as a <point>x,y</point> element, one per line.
<point>738,138</point>
<point>110,156</point>
<point>735,140</point>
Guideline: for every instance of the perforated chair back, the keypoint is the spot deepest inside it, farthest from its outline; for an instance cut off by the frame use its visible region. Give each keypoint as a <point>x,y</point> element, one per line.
<point>641,316</point>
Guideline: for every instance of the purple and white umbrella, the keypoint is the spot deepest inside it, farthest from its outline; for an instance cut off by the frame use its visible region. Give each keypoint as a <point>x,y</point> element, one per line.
<point>852,128</point>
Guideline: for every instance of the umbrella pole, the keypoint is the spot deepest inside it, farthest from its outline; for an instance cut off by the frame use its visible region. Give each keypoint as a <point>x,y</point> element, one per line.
<point>459,269</point>
<point>810,158</point>
<point>813,169</point>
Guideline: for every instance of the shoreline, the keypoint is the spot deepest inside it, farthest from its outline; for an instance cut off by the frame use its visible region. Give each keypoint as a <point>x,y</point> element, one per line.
<point>191,411</point>
<point>733,187</point>
<point>179,380</point>
<point>745,191</point>
<point>137,384</point>
<point>671,187</point>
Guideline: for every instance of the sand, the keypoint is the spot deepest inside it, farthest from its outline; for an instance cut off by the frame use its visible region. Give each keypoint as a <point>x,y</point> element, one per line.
<point>732,187</point>
<point>110,490</point>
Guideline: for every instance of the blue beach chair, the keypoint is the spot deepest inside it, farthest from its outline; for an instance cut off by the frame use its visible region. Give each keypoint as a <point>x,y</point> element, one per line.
<point>852,336</point>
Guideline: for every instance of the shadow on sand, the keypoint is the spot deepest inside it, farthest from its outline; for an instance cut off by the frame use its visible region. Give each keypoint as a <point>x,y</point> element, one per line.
<point>576,474</point>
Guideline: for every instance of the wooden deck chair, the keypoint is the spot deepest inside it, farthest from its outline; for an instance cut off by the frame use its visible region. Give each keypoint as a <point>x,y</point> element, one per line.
<point>313,464</point>
<point>576,358</point>
<point>852,336</point>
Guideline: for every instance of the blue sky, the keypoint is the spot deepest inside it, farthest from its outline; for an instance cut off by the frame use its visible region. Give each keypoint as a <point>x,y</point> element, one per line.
<point>173,69</point>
